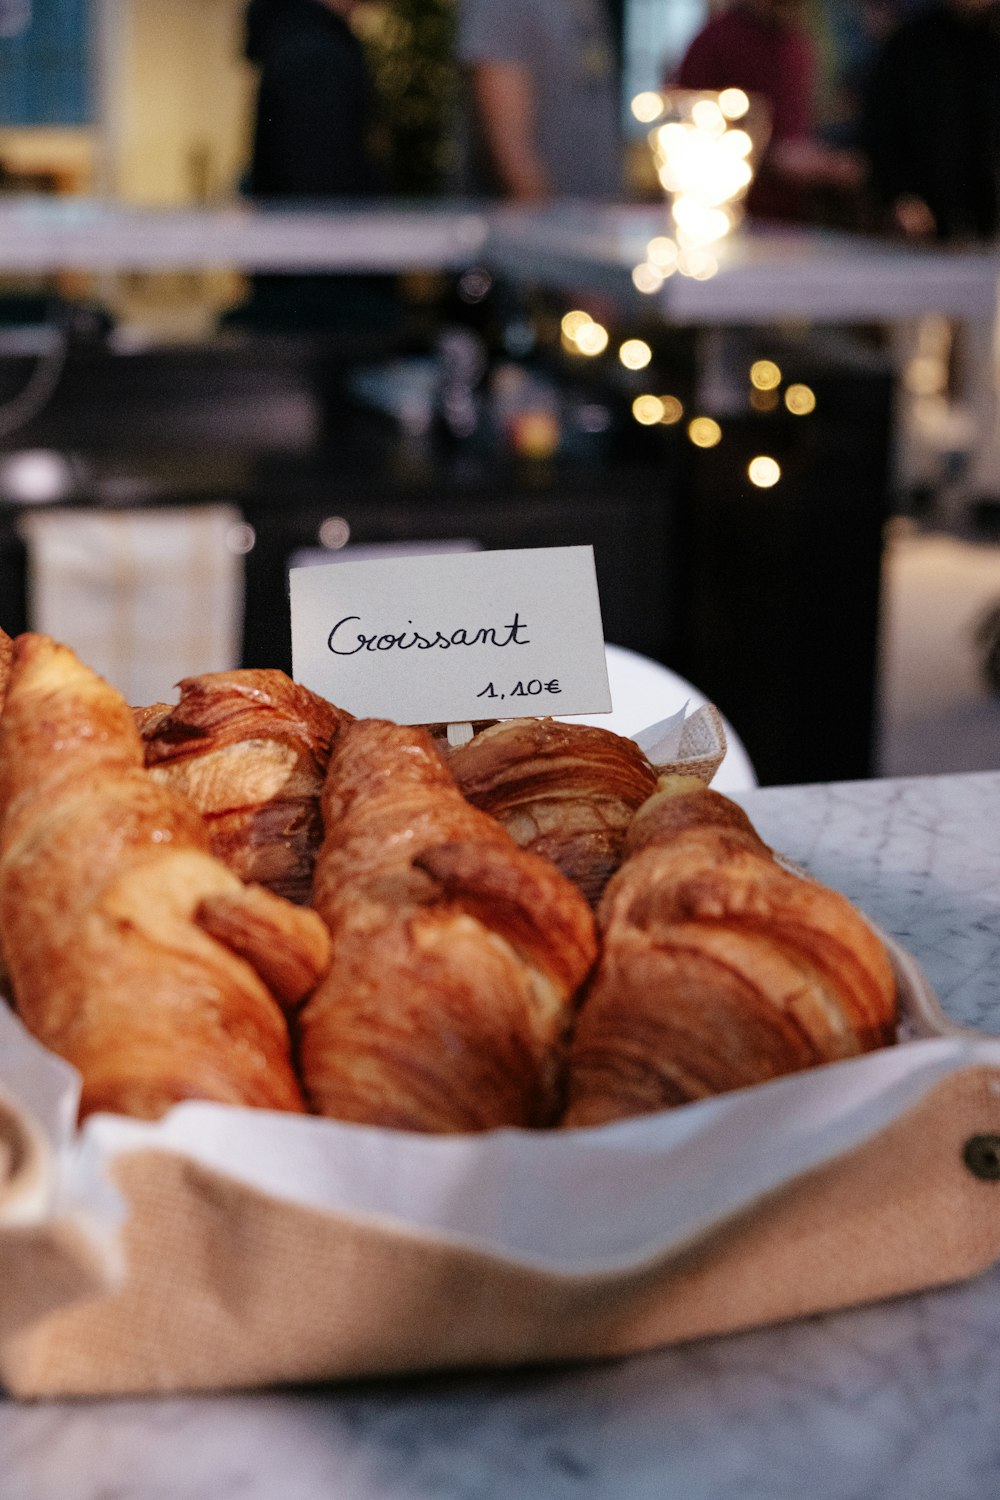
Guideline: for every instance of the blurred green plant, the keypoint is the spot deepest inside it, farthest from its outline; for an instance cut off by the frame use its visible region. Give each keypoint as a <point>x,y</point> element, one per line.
<point>410,45</point>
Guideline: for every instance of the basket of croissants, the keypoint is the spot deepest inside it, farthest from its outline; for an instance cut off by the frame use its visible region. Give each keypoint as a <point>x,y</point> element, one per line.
<point>499,964</point>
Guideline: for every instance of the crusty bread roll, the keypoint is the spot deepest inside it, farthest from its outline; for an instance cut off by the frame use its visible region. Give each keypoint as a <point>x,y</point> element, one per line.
<point>250,750</point>
<point>133,952</point>
<point>719,967</point>
<point>457,956</point>
<point>565,791</point>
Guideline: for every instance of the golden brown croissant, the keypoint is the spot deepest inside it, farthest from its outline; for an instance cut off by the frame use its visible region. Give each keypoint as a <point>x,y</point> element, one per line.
<point>457,956</point>
<point>719,967</point>
<point>134,953</point>
<point>565,791</point>
<point>250,750</point>
<point>6,651</point>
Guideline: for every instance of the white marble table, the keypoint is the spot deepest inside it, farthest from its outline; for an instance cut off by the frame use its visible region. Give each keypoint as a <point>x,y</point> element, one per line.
<point>895,1402</point>
<point>40,234</point>
<point>765,274</point>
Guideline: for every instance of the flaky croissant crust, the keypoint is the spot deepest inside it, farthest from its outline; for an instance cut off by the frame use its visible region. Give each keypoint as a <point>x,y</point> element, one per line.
<point>250,750</point>
<point>511,762</point>
<point>133,952</point>
<point>6,652</point>
<point>565,791</point>
<point>719,967</point>
<point>457,955</point>
<point>223,707</point>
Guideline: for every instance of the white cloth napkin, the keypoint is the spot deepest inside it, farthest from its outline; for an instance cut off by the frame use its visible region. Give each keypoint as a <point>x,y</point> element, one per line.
<point>143,597</point>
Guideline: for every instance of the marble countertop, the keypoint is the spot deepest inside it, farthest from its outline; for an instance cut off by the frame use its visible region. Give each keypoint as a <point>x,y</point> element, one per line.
<point>765,273</point>
<point>39,234</point>
<point>897,1401</point>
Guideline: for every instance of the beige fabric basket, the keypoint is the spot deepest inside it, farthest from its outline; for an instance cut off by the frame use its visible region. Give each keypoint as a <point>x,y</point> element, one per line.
<point>223,1285</point>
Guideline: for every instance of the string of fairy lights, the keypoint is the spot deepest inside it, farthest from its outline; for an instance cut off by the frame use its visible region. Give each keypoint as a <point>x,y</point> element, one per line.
<point>705,148</point>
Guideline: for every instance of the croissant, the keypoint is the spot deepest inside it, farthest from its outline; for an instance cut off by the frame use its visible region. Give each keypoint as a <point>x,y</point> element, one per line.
<point>457,955</point>
<point>719,967</point>
<point>565,791</point>
<point>6,651</point>
<point>250,750</point>
<point>133,952</point>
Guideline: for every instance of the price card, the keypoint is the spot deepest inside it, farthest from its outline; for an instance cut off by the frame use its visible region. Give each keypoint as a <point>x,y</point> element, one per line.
<point>452,638</point>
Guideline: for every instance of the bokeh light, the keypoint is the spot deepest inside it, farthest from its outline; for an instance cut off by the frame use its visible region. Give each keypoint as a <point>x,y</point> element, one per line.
<point>36,476</point>
<point>635,354</point>
<point>738,142</point>
<point>591,339</point>
<point>765,375</point>
<point>573,321</point>
<point>648,410</point>
<point>241,539</point>
<point>704,165</point>
<point>764,471</point>
<point>661,252</point>
<point>647,106</point>
<point>700,223</point>
<point>708,116</point>
<point>705,432</point>
<point>334,532</point>
<point>535,434</point>
<point>647,278</point>
<point>734,103</point>
<point>581,334</point>
<point>699,264</point>
<point>800,400</point>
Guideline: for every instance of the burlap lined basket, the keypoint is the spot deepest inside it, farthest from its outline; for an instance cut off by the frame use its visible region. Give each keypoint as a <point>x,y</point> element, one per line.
<point>223,1284</point>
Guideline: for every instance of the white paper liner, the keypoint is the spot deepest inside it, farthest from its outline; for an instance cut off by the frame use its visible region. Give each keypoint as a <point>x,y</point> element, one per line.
<point>573,1203</point>
<point>661,742</point>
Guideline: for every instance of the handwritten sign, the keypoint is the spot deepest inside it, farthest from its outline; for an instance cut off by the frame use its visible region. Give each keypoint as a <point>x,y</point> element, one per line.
<point>479,635</point>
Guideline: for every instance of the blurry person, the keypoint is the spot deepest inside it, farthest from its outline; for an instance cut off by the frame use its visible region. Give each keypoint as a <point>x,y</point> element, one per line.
<point>932,122</point>
<point>545,98</point>
<point>932,133</point>
<point>312,142</point>
<point>763,47</point>
<point>856,31</point>
<point>313,112</point>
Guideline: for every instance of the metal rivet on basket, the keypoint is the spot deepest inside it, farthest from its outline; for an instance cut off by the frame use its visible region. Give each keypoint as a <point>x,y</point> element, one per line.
<point>981,1155</point>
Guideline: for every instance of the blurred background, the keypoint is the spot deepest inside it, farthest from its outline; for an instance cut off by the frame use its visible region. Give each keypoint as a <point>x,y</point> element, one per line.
<point>844,612</point>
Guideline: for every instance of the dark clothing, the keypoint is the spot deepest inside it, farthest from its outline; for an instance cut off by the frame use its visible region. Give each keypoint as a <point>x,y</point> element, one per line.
<point>310,142</point>
<point>775,60</point>
<point>932,120</point>
<point>313,104</point>
<point>739,49</point>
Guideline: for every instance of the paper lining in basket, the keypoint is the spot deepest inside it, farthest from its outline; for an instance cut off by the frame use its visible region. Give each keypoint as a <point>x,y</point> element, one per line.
<point>692,743</point>
<point>263,1248</point>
